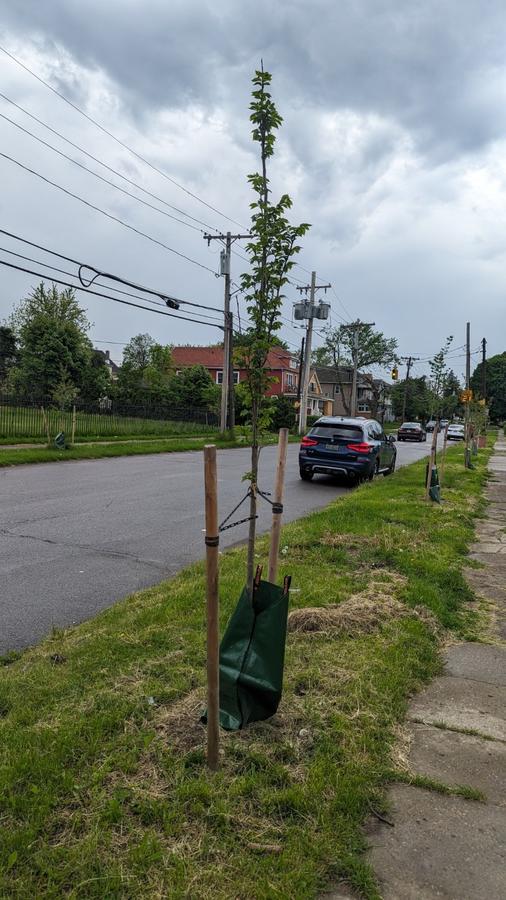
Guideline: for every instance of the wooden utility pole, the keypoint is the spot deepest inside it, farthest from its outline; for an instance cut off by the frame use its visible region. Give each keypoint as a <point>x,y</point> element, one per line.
<point>227,384</point>
<point>277,505</point>
<point>212,540</point>
<point>409,360</point>
<point>467,452</point>
<point>356,326</point>
<point>311,312</point>
<point>301,369</point>
<point>484,369</point>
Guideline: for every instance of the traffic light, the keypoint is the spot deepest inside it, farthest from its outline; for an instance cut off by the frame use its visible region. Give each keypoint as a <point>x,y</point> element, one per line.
<point>395,373</point>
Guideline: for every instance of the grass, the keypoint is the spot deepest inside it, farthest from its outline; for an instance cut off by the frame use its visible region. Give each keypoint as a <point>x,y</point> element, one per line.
<point>104,790</point>
<point>104,449</point>
<point>45,454</point>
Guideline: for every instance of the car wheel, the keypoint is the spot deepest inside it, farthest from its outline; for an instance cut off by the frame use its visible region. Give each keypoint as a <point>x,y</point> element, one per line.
<point>306,476</point>
<point>391,468</point>
<point>374,471</point>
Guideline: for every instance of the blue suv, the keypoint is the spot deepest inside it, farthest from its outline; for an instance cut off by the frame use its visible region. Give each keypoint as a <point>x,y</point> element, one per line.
<point>356,448</point>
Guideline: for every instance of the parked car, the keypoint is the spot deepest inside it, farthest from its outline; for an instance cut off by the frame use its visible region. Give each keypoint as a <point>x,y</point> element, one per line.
<point>431,425</point>
<point>411,431</point>
<point>456,433</point>
<point>354,447</point>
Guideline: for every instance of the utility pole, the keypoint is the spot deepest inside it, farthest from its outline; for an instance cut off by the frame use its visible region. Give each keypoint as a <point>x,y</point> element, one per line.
<point>309,310</point>
<point>301,369</point>
<point>355,326</point>
<point>484,368</point>
<point>227,386</point>
<point>467,453</point>
<point>409,360</point>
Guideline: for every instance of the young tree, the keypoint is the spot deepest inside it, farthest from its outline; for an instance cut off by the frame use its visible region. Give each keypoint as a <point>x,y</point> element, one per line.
<point>51,329</point>
<point>374,349</point>
<point>8,351</point>
<point>271,250</point>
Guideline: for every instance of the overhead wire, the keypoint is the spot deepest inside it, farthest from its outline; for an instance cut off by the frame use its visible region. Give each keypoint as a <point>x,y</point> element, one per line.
<point>159,311</point>
<point>115,138</point>
<point>107,214</point>
<point>118,187</point>
<point>163,295</point>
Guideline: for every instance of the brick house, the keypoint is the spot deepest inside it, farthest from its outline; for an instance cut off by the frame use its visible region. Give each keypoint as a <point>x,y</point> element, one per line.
<point>281,365</point>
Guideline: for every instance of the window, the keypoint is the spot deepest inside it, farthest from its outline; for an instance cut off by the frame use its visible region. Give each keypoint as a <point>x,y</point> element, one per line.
<point>293,363</point>
<point>312,387</point>
<point>219,376</point>
<point>346,432</point>
<point>289,380</point>
<point>336,389</point>
<point>363,407</point>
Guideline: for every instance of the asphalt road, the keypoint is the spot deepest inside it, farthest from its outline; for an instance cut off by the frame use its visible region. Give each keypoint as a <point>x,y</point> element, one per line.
<point>77,536</point>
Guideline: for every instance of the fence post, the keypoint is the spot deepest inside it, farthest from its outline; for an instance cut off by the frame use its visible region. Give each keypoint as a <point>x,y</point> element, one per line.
<point>213,638</point>
<point>46,423</point>
<point>277,506</point>
<point>73,423</point>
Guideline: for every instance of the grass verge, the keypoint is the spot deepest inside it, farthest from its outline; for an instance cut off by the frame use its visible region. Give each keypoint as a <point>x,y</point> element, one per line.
<point>103,786</point>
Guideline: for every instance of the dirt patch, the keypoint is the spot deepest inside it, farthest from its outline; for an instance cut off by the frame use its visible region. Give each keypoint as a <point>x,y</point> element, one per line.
<point>362,612</point>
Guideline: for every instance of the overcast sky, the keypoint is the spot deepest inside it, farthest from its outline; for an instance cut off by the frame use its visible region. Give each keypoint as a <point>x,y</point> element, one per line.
<point>393,147</point>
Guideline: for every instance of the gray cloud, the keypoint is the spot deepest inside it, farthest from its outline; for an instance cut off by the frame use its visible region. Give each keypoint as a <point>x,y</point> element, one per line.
<point>387,105</point>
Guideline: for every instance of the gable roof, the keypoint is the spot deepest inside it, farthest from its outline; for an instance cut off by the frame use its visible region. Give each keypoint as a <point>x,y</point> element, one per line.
<point>329,374</point>
<point>212,357</point>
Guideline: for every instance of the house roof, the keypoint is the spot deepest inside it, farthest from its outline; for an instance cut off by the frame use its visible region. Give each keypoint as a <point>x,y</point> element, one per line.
<point>329,374</point>
<point>212,357</point>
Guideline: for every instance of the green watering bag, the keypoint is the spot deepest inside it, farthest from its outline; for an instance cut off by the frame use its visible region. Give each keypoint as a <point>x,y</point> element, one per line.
<point>252,655</point>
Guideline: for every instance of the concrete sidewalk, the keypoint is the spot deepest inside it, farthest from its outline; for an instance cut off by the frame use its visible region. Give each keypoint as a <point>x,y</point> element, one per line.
<point>446,846</point>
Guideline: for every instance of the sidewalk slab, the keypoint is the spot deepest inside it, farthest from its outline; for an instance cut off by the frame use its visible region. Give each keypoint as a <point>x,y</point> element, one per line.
<point>460,759</point>
<point>440,847</point>
<point>463,703</point>
<point>481,662</point>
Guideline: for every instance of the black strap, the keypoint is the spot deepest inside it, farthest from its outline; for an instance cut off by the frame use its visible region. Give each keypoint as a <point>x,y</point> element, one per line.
<point>212,541</point>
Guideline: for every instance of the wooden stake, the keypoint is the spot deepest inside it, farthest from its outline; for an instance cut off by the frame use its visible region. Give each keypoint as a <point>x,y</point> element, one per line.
<point>432,460</point>
<point>73,424</point>
<point>213,637</point>
<point>443,457</point>
<point>277,506</point>
<point>46,423</point>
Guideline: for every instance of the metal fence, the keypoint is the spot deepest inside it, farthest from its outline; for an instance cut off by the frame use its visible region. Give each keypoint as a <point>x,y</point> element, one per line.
<point>24,418</point>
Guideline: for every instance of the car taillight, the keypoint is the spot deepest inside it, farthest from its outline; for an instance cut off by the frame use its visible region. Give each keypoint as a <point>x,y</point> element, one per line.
<point>359,448</point>
<point>308,442</point>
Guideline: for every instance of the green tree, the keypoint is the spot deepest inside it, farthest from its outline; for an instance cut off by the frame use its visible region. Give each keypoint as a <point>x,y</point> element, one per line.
<point>374,349</point>
<point>496,386</point>
<point>418,398</point>
<point>194,388</point>
<point>146,373</point>
<point>321,356</point>
<point>51,329</point>
<point>271,251</point>
<point>8,351</point>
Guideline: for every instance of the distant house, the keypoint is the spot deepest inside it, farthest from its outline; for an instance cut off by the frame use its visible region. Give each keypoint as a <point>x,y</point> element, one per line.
<point>109,363</point>
<point>372,393</point>
<point>281,365</point>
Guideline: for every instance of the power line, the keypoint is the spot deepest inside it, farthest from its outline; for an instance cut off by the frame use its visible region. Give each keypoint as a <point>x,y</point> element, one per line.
<point>161,312</point>
<point>75,162</point>
<point>114,138</point>
<point>160,294</point>
<point>105,165</point>
<point>105,213</point>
